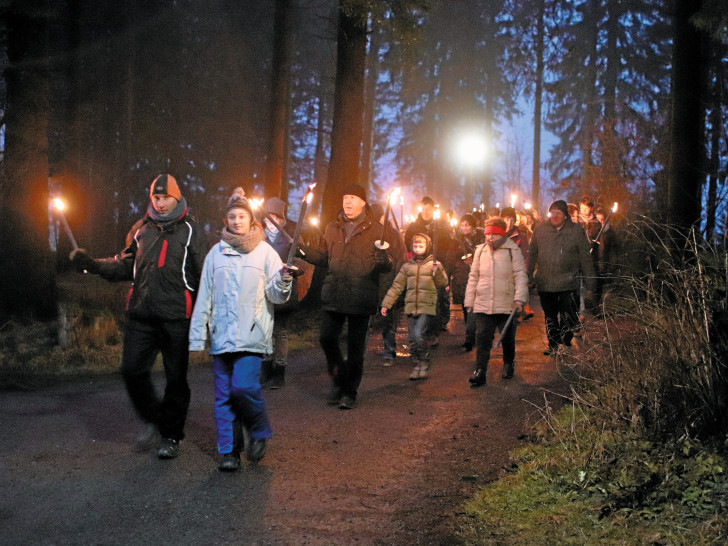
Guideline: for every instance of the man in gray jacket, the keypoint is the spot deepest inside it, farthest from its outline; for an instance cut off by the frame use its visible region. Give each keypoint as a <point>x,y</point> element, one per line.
<point>559,256</point>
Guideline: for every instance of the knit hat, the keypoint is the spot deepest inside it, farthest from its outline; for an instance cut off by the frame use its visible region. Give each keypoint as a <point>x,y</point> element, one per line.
<point>470,219</point>
<point>165,184</point>
<point>377,211</point>
<point>509,212</point>
<point>355,189</point>
<point>238,201</point>
<point>560,205</point>
<point>276,206</point>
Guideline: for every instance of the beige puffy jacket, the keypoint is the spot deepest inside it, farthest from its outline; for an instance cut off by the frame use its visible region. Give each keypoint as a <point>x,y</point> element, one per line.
<point>497,279</point>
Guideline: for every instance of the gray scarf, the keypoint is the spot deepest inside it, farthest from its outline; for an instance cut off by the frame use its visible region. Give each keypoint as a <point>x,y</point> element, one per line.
<point>164,220</point>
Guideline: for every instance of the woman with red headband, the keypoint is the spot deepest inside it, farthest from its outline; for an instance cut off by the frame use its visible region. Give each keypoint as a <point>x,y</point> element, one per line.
<point>497,284</point>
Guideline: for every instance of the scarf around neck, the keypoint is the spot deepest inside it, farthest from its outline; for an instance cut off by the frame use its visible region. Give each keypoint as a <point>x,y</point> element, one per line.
<point>495,245</point>
<point>164,220</point>
<point>243,243</point>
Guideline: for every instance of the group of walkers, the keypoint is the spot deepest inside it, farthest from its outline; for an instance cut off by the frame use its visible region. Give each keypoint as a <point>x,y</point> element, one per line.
<point>236,298</point>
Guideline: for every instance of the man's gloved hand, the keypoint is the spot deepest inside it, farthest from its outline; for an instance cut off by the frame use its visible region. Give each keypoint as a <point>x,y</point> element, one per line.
<point>286,278</point>
<point>83,262</point>
<point>381,258</point>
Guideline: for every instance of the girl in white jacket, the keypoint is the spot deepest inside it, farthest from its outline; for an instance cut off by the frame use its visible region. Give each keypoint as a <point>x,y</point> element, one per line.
<point>241,280</point>
<point>497,283</point>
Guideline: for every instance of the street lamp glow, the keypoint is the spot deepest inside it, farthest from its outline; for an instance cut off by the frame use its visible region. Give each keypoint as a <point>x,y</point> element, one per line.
<point>471,148</point>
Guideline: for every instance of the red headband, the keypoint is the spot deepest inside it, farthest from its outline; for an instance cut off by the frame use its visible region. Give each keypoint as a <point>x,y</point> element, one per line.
<point>495,230</point>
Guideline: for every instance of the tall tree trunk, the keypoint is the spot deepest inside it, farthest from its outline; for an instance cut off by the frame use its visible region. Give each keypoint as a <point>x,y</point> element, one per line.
<point>370,97</point>
<point>688,124</point>
<point>280,100</point>
<point>538,101</point>
<point>346,133</point>
<point>716,128</point>
<point>27,276</point>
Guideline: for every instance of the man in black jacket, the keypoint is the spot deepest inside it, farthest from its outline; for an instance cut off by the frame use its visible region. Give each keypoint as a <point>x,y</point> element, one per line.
<point>164,261</point>
<point>350,290</point>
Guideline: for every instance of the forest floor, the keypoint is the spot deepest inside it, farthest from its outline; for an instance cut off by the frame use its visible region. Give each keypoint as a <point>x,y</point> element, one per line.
<point>395,470</point>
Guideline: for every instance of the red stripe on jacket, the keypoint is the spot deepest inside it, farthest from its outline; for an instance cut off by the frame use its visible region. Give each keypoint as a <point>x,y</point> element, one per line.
<point>162,254</point>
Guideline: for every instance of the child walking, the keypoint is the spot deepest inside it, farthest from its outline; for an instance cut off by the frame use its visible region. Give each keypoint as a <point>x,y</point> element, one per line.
<point>420,277</point>
<point>241,280</point>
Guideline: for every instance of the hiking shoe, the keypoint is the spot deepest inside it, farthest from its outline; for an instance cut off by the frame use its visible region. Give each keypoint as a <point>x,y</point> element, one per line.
<point>256,450</point>
<point>347,402</point>
<point>424,370</point>
<point>478,378</point>
<point>229,462</point>
<point>147,439</point>
<point>415,372</point>
<point>467,346</point>
<point>168,449</point>
<point>508,370</point>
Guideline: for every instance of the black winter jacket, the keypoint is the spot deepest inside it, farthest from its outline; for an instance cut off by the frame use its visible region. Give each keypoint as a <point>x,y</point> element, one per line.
<point>352,280</point>
<point>165,265</point>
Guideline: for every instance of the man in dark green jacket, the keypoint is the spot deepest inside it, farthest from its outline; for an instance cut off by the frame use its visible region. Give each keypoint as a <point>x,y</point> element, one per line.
<point>350,290</point>
<point>559,256</point>
<point>164,261</point>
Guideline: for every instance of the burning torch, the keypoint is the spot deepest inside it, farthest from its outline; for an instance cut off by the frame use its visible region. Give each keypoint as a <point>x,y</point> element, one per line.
<point>615,206</point>
<point>307,198</point>
<point>436,218</point>
<point>381,244</point>
<point>59,205</point>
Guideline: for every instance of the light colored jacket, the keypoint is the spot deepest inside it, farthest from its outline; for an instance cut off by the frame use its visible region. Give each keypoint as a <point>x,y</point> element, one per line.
<point>235,300</point>
<point>421,286</point>
<point>497,279</point>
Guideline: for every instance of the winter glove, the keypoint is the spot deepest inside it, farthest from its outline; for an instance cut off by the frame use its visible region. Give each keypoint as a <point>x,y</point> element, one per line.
<point>286,278</point>
<point>381,258</point>
<point>83,262</point>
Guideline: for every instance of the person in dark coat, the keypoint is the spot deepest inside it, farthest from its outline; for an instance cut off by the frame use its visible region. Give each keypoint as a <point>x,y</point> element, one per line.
<point>274,365</point>
<point>164,261</point>
<point>398,251</point>
<point>607,252</point>
<point>350,292</point>
<point>457,263</point>
<point>436,230</point>
<point>558,258</point>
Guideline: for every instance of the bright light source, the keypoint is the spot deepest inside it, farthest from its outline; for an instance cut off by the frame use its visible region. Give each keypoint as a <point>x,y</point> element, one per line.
<point>313,220</point>
<point>514,198</point>
<point>471,148</point>
<point>615,207</point>
<point>59,204</point>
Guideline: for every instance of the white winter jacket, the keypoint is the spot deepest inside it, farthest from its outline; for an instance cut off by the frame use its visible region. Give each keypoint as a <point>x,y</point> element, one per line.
<point>235,300</point>
<point>496,279</point>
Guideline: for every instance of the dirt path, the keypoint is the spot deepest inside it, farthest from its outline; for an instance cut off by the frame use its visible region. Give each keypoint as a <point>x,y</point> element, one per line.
<point>395,470</point>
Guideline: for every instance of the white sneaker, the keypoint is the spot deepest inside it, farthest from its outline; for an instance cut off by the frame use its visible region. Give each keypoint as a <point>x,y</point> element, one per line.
<point>415,372</point>
<point>424,370</point>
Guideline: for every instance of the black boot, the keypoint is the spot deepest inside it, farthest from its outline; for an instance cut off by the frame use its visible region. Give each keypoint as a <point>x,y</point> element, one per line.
<point>266,373</point>
<point>278,378</point>
<point>478,378</point>
<point>508,370</point>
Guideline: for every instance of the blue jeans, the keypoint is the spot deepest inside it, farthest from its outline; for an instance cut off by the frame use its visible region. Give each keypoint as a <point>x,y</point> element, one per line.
<point>417,326</point>
<point>389,332</point>
<point>238,397</point>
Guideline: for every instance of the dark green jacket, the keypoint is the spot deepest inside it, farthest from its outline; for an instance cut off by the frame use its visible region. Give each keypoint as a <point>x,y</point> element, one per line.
<point>560,258</point>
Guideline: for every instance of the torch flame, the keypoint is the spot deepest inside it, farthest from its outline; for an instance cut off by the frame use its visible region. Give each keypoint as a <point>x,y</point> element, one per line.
<point>436,214</point>
<point>256,203</point>
<point>313,220</point>
<point>528,206</point>
<point>393,194</point>
<point>453,222</point>
<point>514,198</point>
<point>59,204</point>
<point>309,193</point>
<point>615,207</point>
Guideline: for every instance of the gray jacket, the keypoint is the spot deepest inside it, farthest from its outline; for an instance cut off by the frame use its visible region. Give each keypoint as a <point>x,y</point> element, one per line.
<point>560,257</point>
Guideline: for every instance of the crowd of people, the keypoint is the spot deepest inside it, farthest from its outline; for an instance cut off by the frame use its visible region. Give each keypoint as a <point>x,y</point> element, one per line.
<point>235,298</point>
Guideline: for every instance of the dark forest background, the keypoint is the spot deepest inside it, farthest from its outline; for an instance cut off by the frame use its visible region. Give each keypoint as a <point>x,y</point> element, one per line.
<point>99,96</point>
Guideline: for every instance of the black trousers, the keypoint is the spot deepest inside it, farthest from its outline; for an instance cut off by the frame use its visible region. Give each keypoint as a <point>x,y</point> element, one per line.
<point>485,327</point>
<point>561,310</point>
<point>143,341</point>
<point>346,373</point>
